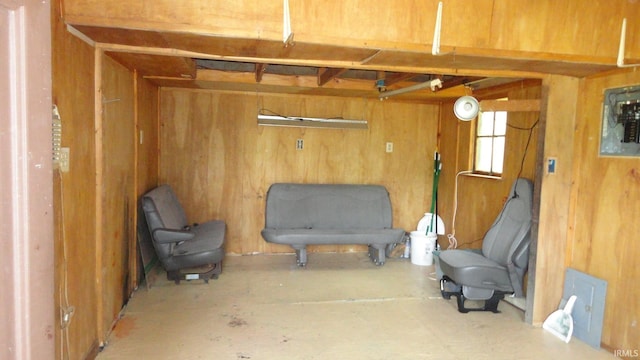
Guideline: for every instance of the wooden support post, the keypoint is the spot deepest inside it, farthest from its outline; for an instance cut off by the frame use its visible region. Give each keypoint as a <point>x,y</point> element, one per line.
<point>98,138</point>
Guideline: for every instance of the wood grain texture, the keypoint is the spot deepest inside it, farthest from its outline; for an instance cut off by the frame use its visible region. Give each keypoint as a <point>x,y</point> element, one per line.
<point>300,84</point>
<point>532,26</point>
<point>480,199</point>
<point>147,136</point>
<point>562,102</point>
<point>604,224</point>
<point>391,57</point>
<point>118,193</point>
<point>146,160</point>
<point>147,64</point>
<point>74,192</point>
<point>222,163</point>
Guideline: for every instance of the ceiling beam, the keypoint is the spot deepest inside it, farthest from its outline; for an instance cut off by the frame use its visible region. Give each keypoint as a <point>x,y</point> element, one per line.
<point>502,90</point>
<point>398,77</point>
<point>423,69</point>
<point>298,85</point>
<point>260,68</point>
<point>326,74</point>
<point>157,65</point>
<point>510,105</point>
<point>453,82</point>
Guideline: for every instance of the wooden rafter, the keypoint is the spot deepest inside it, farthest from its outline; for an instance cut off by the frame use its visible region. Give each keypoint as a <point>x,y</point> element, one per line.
<point>510,105</point>
<point>326,74</point>
<point>398,77</point>
<point>453,82</point>
<point>260,68</point>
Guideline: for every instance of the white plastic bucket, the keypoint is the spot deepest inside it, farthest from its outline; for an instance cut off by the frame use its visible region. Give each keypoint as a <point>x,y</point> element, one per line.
<point>422,246</point>
<point>425,223</point>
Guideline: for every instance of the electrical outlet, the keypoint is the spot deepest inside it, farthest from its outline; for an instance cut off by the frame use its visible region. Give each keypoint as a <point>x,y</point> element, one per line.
<point>299,144</point>
<point>389,148</point>
<point>64,159</point>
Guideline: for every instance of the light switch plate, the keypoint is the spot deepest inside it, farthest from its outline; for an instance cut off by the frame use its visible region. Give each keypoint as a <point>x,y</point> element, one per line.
<point>551,165</point>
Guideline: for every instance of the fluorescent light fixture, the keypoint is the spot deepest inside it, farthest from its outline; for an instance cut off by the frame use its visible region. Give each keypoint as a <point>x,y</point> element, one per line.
<point>432,84</point>
<point>302,121</point>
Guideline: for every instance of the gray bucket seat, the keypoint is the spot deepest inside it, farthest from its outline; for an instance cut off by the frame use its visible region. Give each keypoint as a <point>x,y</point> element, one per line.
<point>499,267</point>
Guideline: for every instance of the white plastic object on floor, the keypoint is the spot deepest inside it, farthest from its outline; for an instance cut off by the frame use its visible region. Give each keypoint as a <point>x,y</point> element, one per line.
<point>422,246</point>
<point>560,322</point>
<point>425,222</point>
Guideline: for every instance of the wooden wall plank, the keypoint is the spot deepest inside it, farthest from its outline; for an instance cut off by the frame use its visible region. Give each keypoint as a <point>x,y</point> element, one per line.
<point>511,105</point>
<point>75,192</point>
<point>146,161</point>
<point>222,163</point>
<point>117,190</point>
<point>604,217</point>
<point>534,27</point>
<point>147,136</point>
<point>514,26</point>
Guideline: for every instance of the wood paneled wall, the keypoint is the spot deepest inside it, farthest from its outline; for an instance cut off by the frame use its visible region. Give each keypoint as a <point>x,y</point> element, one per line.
<point>604,227</point>
<point>221,163</point>
<point>480,198</point>
<point>147,96</point>
<point>75,192</point>
<point>492,26</point>
<point>93,250</point>
<point>117,191</point>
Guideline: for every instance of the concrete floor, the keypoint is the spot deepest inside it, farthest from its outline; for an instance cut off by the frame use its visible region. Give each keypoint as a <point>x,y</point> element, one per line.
<point>340,306</point>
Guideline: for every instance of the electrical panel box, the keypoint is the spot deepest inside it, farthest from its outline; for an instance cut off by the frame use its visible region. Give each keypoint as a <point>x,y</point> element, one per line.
<point>588,312</point>
<point>621,122</point>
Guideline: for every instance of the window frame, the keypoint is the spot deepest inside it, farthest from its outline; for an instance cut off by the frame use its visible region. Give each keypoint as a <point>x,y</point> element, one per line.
<point>492,168</point>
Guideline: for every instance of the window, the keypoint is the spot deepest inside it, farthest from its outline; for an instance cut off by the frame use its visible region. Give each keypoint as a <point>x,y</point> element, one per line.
<point>490,139</point>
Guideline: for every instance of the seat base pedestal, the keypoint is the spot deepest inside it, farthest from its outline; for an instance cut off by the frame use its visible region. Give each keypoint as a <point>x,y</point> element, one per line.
<point>490,304</point>
<point>205,272</point>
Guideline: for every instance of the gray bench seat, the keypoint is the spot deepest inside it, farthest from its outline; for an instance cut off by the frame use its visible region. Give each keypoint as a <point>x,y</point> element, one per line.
<point>330,214</point>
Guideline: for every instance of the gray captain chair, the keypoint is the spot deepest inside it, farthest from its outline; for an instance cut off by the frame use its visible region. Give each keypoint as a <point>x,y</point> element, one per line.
<point>186,251</point>
<point>498,268</point>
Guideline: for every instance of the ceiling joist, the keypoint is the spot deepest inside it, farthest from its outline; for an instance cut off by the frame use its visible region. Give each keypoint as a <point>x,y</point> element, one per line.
<point>260,69</point>
<point>462,80</point>
<point>398,77</point>
<point>326,74</point>
<point>510,105</point>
